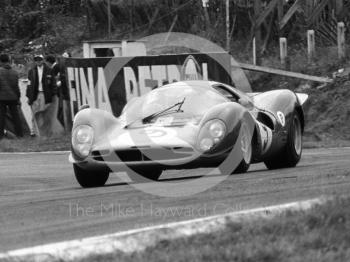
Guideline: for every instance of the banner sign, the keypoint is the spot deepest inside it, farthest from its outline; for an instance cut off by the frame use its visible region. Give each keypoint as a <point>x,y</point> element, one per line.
<point>108,83</point>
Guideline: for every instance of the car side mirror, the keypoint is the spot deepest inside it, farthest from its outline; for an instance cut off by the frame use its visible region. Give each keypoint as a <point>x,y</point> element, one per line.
<point>246,103</point>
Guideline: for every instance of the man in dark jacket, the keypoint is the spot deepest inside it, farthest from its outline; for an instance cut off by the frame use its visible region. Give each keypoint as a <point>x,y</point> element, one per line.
<point>55,70</point>
<point>40,80</point>
<point>9,95</point>
<point>41,89</point>
<point>59,73</point>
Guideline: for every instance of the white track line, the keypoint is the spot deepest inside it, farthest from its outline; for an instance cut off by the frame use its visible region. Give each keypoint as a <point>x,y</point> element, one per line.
<point>139,239</point>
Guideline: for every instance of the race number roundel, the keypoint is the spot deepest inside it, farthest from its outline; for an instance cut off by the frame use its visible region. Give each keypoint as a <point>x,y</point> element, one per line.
<point>281,118</point>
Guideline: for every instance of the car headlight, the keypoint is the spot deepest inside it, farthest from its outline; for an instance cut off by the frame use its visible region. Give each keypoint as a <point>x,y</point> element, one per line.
<point>82,139</point>
<point>206,144</point>
<point>217,128</point>
<point>211,134</point>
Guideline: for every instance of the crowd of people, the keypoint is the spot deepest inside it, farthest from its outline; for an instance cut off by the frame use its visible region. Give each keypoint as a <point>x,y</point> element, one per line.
<point>46,83</point>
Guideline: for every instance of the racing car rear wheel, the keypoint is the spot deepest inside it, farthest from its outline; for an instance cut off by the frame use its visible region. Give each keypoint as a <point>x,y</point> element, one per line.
<point>90,179</point>
<point>291,153</point>
<point>246,149</point>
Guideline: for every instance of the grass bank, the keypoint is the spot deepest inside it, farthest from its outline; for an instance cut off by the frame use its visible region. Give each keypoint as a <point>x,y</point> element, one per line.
<point>319,234</point>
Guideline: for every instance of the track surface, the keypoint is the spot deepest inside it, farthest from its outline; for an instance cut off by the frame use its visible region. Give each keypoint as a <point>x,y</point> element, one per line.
<point>40,201</point>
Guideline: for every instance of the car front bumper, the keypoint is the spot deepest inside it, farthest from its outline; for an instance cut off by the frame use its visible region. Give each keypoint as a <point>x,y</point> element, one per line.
<point>114,163</point>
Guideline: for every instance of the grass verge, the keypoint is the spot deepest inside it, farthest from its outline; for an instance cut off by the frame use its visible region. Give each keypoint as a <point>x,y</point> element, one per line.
<point>319,234</point>
<point>35,144</point>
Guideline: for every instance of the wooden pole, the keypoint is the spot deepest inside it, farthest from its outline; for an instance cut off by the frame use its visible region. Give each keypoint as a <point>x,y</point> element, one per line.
<point>257,32</point>
<point>228,25</point>
<point>280,72</point>
<point>109,18</point>
<point>310,45</point>
<point>341,40</point>
<point>206,14</point>
<point>283,50</point>
<point>254,51</point>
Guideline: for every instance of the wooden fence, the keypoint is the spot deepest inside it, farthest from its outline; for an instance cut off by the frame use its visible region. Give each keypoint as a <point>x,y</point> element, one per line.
<point>311,46</point>
<point>323,19</point>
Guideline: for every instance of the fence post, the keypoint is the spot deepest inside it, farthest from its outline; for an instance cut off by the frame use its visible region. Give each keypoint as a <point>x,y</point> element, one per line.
<point>310,45</point>
<point>254,51</point>
<point>283,50</point>
<point>341,40</point>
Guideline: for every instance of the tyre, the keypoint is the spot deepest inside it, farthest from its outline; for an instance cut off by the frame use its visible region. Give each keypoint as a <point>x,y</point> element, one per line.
<point>246,150</point>
<point>290,155</point>
<point>90,179</point>
<point>143,174</point>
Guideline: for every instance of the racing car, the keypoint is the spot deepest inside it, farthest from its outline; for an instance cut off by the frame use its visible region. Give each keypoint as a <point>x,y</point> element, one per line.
<point>189,124</point>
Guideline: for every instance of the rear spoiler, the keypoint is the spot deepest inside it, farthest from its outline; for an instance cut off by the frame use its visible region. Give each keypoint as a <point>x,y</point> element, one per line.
<point>302,97</point>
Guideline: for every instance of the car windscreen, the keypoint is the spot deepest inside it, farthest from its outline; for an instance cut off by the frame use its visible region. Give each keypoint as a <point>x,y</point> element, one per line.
<point>198,100</point>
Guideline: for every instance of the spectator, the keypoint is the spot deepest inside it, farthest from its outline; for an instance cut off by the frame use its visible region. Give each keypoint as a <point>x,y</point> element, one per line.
<point>59,73</point>
<point>52,63</point>
<point>62,81</point>
<point>40,90</point>
<point>64,93</point>
<point>9,96</point>
<point>55,67</point>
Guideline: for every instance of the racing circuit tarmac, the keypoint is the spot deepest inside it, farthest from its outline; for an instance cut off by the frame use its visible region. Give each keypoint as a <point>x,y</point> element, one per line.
<point>40,201</point>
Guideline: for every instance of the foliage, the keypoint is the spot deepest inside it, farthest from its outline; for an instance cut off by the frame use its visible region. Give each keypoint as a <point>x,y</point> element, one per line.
<point>30,19</point>
<point>33,19</point>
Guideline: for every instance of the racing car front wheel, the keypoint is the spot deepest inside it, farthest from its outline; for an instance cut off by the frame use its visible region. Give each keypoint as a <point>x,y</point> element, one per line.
<point>290,155</point>
<point>90,179</point>
<point>246,150</point>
